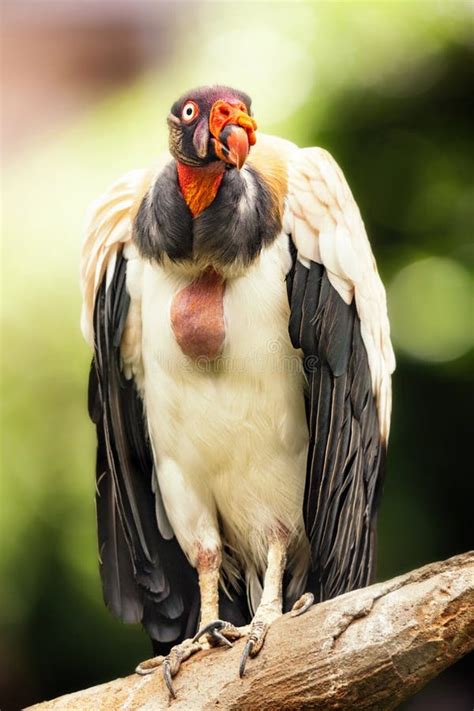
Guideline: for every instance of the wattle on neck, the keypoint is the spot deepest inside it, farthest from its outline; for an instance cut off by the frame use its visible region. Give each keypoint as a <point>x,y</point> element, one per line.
<point>199,186</point>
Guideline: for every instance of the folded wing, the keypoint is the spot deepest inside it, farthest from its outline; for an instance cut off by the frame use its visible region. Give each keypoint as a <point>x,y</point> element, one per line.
<point>339,320</point>
<point>145,576</point>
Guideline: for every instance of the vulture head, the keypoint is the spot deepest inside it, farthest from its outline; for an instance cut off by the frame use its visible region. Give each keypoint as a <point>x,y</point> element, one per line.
<point>212,124</point>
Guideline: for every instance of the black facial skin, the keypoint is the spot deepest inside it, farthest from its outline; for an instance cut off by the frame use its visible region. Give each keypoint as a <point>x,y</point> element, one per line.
<point>241,220</point>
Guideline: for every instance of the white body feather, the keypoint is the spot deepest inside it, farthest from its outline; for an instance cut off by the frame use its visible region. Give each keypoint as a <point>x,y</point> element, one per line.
<point>231,434</point>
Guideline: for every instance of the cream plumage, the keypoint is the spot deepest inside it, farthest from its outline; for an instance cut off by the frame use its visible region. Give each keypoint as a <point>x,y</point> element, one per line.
<point>267,458</point>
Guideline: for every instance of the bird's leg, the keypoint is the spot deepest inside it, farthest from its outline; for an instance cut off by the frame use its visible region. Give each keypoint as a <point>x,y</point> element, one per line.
<point>208,561</point>
<point>271,603</point>
<point>208,565</point>
<point>217,631</point>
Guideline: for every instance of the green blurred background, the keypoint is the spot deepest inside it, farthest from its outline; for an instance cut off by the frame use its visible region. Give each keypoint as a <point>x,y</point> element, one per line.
<point>388,89</point>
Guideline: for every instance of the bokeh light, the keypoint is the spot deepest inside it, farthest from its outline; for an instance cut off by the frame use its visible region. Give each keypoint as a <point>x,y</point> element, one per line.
<point>431,308</point>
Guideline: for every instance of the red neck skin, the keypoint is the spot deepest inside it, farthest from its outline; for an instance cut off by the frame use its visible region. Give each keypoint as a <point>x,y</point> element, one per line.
<point>199,186</point>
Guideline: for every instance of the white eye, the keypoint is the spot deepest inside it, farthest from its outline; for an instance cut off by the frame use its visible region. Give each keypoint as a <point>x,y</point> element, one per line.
<point>190,111</point>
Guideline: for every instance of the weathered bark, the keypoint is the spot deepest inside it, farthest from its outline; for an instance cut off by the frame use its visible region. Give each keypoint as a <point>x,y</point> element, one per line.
<point>369,650</point>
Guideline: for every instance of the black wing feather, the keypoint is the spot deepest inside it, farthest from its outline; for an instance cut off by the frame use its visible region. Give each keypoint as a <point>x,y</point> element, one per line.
<point>145,577</point>
<point>345,456</point>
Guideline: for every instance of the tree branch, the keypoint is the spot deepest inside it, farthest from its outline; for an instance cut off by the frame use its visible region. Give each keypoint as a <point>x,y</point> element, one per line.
<point>369,649</point>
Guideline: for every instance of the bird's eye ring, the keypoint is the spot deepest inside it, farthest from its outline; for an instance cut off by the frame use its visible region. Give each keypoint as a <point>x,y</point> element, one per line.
<point>189,112</point>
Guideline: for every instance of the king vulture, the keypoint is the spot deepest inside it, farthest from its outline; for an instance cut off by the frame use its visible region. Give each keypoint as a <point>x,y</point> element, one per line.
<point>240,383</point>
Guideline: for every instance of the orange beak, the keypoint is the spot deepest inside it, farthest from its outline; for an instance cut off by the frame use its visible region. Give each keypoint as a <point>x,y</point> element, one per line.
<point>239,134</point>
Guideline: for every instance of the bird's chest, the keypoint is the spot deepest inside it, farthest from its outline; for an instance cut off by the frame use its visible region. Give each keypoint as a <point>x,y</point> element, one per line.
<point>231,324</point>
<point>212,415</point>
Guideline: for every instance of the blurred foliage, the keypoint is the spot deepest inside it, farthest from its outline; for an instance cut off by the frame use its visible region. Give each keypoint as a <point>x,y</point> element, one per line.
<point>387,88</point>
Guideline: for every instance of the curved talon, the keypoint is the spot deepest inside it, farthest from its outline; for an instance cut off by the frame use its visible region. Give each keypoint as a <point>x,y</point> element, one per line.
<point>167,677</point>
<point>303,604</point>
<point>144,671</point>
<point>220,638</point>
<point>211,628</point>
<point>147,667</point>
<point>245,655</point>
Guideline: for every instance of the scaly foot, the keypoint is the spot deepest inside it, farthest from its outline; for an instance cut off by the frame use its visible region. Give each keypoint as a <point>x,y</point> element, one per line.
<point>261,624</point>
<point>171,663</point>
<point>302,605</point>
<point>258,632</point>
<point>217,633</point>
